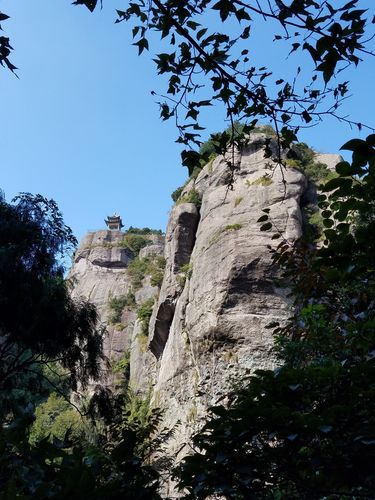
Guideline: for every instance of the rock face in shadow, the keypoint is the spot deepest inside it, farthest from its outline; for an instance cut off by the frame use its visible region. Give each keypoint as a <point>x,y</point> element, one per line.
<point>180,239</point>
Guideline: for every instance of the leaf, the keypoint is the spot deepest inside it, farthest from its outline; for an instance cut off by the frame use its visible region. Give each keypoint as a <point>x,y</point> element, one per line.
<point>225,7</point>
<point>193,25</point>
<point>371,140</point>
<point>201,33</point>
<point>90,4</point>
<point>354,144</point>
<point>263,218</point>
<point>306,117</point>
<point>343,168</point>
<point>328,223</point>
<point>266,226</point>
<point>142,44</point>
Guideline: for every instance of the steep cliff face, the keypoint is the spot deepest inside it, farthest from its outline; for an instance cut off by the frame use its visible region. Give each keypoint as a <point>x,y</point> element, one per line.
<point>208,325</point>
<point>100,274</point>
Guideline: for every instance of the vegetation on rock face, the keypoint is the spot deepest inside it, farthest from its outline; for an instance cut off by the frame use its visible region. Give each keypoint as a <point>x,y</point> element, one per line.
<point>261,181</point>
<point>177,193</point>
<point>232,227</point>
<point>152,266</point>
<point>134,242</point>
<point>210,149</point>
<point>118,304</point>
<point>185,273</point>
<point>144,314</point>
<point>304,160</point>
<point>191,197</point>
<point>144,230</point>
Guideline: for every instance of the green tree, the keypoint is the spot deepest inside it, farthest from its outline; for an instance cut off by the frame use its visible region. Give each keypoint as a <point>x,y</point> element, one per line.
<point>43,452</point>
<point>54,418</point>
<point>40,322</point>
<point>199,55</point>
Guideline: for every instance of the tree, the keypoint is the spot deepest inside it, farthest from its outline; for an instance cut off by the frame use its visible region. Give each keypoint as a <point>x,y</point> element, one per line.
<point>206,66</point>
<point>46,336</point>
<point>39,321</point>
<point>198,57</point>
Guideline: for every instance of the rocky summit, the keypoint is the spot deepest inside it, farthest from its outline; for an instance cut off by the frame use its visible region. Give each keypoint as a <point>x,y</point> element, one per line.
<point>203,322</point>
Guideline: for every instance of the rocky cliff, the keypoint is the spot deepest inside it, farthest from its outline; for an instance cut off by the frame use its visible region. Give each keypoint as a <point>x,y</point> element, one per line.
<point>208,323</point>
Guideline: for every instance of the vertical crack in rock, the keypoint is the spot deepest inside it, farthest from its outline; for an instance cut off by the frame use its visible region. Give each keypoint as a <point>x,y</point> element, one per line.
<point>179,244</point>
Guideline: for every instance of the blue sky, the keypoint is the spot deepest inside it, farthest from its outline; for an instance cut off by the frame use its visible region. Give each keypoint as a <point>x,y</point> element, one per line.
<point>81,126</point>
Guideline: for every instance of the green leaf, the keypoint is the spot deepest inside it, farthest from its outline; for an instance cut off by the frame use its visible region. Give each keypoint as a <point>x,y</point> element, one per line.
<point>266,227</point>
<point>354,144</point>
<point>370,139</point>
<point>328,222</point>
<point>90,4</point>
<point>344,168</point>
<point>142,44</point>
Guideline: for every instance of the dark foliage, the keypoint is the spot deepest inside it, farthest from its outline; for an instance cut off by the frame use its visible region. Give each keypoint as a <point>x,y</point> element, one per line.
<point>39,321</point>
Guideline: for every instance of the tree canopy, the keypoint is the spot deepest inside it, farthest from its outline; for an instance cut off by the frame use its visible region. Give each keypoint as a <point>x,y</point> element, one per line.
<point>208,60</point>
<point>40,322</point>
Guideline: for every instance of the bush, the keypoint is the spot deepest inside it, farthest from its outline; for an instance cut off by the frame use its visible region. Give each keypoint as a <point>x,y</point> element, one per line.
<point>312,224</point>
<point>122,366</point>
<point>54,418</point>
<point>144,314</point>
<point>134,242</point>
<point>139,268</point>
<point>316,172</point>
<point>118,304</point>
<point>177,193</point>
<point>157,278</point>
<point>191,197</point>
<point>143,230</point>
<point>185,272</point>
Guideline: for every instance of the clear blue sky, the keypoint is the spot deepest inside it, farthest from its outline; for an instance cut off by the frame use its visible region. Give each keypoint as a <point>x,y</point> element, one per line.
<point>80,124</point>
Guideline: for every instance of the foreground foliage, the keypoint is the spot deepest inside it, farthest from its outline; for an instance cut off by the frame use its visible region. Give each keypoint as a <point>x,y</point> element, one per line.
<point>49,344</point>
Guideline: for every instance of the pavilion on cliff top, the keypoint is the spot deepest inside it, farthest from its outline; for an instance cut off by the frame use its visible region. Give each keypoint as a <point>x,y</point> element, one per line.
<point>114,222</point>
